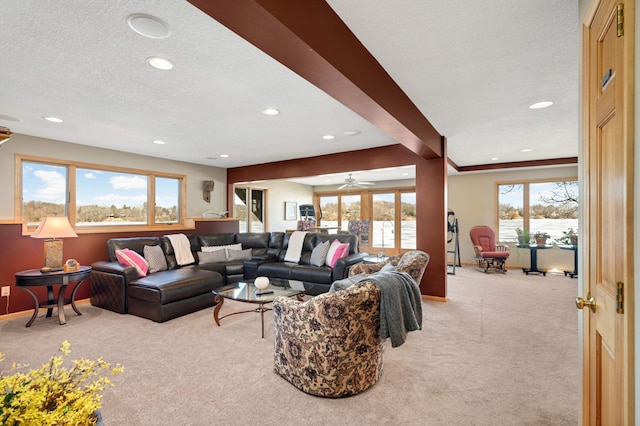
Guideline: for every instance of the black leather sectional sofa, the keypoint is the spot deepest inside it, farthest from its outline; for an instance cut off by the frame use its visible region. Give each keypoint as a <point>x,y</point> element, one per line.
<point>180,290</point>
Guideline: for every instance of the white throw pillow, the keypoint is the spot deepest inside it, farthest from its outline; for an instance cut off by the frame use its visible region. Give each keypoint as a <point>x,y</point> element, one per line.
<point>226,248</point>
<point>212,256</point>
<point>210,249</point>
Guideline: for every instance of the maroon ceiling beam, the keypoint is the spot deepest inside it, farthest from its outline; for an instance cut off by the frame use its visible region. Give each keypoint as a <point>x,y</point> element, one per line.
<point>309,38</point>
<point>516,164</point>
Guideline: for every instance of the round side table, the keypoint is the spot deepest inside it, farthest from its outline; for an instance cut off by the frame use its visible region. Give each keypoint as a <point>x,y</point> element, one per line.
<point>35,278</point>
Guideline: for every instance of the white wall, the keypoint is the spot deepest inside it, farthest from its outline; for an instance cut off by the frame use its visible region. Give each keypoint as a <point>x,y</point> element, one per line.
<point>277,192</point>
<point>34,146</point>
<point>281,191</point>
<point>472,196</point>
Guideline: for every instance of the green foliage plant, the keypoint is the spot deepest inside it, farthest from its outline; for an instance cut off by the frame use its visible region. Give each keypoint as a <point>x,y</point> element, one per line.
<point>569,237</point>
<point>541,235</point>
<point>54,394</point>
<point>524,237</point>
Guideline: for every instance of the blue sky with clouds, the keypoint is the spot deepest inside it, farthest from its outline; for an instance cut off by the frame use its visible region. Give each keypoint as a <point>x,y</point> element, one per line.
<point>46,182</point>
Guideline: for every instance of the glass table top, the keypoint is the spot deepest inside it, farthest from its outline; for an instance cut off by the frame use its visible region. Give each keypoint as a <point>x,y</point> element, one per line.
<point>246,291</point>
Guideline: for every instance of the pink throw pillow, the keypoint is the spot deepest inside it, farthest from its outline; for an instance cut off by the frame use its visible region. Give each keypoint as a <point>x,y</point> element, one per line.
<point>128,257</point>
<point>341,251</point>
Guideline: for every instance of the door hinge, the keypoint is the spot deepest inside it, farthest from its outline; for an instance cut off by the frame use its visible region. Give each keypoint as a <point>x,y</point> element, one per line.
<point>620,297</point>
<point>620,20</point>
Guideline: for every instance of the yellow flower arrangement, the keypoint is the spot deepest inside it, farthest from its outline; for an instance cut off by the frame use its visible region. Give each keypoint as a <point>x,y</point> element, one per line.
<point>53,394</point>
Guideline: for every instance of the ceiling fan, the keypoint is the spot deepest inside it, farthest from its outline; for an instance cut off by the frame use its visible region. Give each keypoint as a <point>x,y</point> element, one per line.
<point>353,183</point>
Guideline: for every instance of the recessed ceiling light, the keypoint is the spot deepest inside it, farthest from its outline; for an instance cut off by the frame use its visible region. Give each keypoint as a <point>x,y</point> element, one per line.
<point>527,150</point>
<point>159,142</point>
<point>351,132</point>
<point>9,118</point>
<point>160,63</point>
<point>148,26</point>
<point>52,119</point>
<point>270,111</point>
<point>328,137</point>
<point>540,105</point>
<point>494,158</point>
<point>224,155</point>
<point>210,158</point>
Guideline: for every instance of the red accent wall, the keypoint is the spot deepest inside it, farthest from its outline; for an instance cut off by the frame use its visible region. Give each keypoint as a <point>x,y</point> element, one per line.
<point>20,252</point>
<point>431,189</point>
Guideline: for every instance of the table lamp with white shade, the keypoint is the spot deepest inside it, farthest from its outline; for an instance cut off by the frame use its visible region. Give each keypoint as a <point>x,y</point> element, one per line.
<point>53,228</point>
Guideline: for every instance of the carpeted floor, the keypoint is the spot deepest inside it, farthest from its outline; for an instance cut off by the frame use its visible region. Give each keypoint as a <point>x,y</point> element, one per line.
<point>503,350</point>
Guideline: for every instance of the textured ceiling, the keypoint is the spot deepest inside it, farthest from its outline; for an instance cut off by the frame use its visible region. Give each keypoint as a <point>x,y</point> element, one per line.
<point>472,68</point>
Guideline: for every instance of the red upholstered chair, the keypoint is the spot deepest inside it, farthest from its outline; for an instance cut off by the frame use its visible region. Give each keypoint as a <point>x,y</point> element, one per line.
<point>488,254</point>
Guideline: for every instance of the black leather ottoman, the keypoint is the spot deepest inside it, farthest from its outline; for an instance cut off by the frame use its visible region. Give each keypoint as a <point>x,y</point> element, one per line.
<point>169,294</point>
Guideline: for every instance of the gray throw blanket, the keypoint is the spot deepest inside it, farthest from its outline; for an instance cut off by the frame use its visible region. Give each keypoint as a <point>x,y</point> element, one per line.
<point>400,305</point>
<point>345,283</point>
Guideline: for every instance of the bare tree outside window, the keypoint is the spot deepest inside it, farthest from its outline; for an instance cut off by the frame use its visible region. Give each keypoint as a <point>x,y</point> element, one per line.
<point>553,208</point>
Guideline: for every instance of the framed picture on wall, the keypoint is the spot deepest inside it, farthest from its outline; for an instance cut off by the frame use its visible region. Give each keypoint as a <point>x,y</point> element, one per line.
<point>290,210</point>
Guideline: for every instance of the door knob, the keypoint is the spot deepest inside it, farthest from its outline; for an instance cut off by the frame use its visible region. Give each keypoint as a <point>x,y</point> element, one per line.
<point>590,302</point>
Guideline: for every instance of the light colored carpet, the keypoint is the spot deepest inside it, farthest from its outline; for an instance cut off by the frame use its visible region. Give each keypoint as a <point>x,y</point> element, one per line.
<point>503,350</point>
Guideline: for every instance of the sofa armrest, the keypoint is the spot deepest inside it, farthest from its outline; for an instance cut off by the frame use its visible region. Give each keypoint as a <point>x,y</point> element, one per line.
<point>251,266</point>
<point>109,285</point>
<point>264,257</point>
<point>341,268</point>
<point>128,272</point>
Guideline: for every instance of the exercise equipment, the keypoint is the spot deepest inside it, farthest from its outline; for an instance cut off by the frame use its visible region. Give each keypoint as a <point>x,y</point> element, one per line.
<point>453,236</point>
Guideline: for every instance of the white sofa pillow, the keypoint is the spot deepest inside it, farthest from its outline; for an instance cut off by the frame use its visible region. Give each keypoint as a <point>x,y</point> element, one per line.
<point>207,249</point>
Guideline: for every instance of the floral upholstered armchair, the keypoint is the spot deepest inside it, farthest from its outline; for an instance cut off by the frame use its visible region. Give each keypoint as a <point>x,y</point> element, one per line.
<point>331,344</point>
<point>412,262</point>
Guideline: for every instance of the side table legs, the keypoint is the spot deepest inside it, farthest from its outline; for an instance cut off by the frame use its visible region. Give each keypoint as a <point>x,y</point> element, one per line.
<point>73,297</point>
<point>61,318</point>
<point>37,309</point>
<point>51,302</point>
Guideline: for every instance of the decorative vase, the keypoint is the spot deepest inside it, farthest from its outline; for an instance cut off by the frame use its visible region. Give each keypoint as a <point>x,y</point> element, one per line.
<point>261,283</point>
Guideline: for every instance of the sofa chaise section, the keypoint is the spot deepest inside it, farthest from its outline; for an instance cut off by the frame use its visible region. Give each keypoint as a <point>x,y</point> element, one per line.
<point>169,294</point>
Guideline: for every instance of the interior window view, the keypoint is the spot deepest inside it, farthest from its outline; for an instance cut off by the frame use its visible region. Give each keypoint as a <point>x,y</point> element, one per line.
<point>548,208</point>
<point>231,209</point>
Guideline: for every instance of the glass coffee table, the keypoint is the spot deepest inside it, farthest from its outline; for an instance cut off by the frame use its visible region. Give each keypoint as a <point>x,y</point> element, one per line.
<point>246,291</point>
